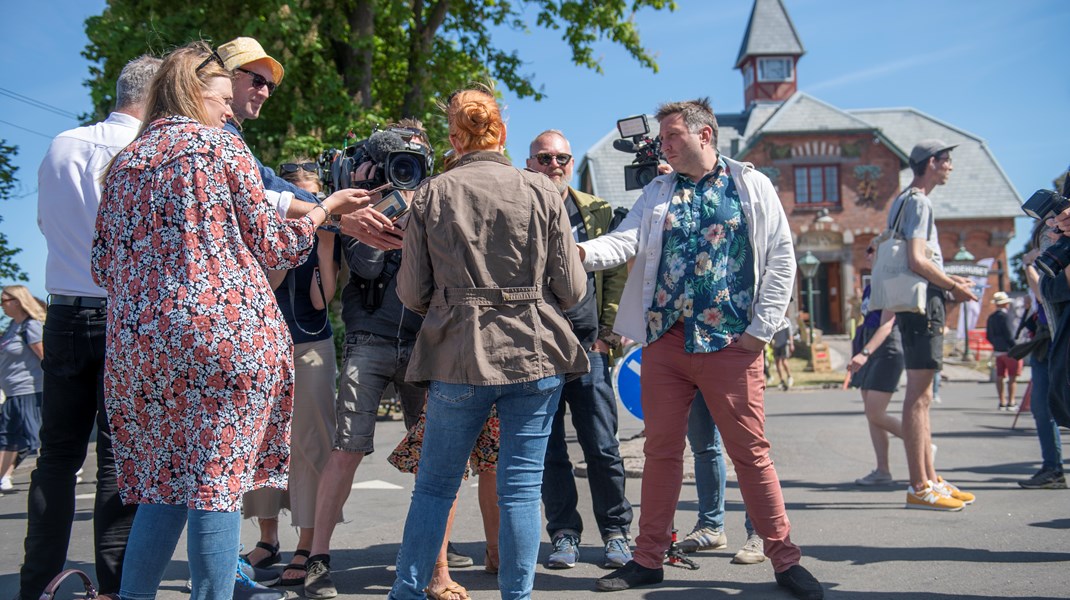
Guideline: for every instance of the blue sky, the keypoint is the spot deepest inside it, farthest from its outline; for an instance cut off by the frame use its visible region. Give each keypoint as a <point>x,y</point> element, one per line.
<point>992,68</point>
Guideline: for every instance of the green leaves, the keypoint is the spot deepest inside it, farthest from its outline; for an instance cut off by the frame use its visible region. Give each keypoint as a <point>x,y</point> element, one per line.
<point>353,64</point>
<point>9,269</point>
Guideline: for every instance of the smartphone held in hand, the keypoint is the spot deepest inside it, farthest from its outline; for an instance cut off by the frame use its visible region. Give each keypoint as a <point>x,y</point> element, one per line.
<point>392,206</point>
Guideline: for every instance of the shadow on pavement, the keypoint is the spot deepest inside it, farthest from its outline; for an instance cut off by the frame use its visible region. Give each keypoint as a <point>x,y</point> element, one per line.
<point>864,555</point>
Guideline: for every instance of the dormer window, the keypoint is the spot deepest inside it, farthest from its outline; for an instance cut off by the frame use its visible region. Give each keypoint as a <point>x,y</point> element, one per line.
<point>775,69</point>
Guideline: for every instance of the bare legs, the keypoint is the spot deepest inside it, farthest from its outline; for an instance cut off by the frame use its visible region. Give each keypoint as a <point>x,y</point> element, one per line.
<point>880,425</point>
<point>488,508</point>
<point>335,484</point>
<point>917,430</point>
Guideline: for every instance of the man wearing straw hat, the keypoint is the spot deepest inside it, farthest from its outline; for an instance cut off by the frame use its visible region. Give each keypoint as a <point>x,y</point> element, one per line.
<point>1000,333</point>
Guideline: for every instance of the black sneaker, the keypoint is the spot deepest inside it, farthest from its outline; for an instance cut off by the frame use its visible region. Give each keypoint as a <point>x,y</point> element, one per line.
<point>1045,480</point>
<point>802,584</point>
<point>455,559</point>
<point>632,574</point>
<point>318,584</point>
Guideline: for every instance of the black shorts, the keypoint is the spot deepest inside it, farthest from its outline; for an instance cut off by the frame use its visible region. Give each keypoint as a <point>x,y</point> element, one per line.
<point>923,334</point>
<point>780,351</point>
<point>884,367</point>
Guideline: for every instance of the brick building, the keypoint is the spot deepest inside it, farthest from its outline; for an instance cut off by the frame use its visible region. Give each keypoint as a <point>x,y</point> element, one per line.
<point>837,171</point>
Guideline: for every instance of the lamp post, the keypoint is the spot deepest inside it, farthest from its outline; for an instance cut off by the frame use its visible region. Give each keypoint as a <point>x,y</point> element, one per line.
<point>808,265</point>
<point>963,256</point>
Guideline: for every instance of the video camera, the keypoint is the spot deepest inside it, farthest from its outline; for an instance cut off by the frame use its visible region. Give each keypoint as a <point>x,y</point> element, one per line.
<point>394,156</point>
<point>635,138</point>
<point>1044,204</point>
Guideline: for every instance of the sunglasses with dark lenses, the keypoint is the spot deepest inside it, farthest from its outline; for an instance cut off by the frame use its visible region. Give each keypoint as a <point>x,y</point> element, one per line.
<point>213,56</point>
<point>259,81</point>
<point>545,158</point>
<point>289,168</point>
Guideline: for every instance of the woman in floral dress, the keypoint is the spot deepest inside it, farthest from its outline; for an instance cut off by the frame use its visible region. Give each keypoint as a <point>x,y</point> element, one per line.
<point>199,372</point>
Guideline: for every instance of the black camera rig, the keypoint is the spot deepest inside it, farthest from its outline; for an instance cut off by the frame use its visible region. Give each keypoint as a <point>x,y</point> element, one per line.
<point>397,156</point>
<point>1044,204</point>
<point>635,138</point>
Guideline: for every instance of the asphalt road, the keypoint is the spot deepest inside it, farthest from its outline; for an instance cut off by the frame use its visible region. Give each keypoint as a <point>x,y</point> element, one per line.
<point>861,543</point>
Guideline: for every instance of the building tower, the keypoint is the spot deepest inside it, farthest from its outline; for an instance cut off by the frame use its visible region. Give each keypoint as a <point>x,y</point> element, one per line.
<point>769,54</point>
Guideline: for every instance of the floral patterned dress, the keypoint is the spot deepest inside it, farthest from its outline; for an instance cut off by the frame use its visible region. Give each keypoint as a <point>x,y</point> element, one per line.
<point>198,379</point>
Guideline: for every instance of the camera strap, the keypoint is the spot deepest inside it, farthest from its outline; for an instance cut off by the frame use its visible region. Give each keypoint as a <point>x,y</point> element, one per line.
<point>291,282</point>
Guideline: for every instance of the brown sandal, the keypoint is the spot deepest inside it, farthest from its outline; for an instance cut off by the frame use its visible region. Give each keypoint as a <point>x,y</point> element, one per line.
<point>444,593</point>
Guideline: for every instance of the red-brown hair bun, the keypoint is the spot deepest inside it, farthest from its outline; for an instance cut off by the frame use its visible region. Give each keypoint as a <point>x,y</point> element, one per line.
<point>475,120</point>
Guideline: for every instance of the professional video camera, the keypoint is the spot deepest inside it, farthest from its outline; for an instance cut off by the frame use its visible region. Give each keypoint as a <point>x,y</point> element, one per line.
<point>635,138</point>
<point>392,156</point>
<point>1044,204</point>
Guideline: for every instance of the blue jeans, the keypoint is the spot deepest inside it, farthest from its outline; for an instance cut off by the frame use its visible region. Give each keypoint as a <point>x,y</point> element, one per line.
<point>455,416</point>
<point>72,403</point>
<point>594,415</point>
<point>710,471</point>
<point>212,546</point>
<point>1051,448</point>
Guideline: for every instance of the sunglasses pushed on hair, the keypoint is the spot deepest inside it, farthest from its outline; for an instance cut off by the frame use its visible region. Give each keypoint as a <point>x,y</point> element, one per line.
<point>290,168</point>
<point>545,158</point>
<point>214,56</point>
<point>259,81</point>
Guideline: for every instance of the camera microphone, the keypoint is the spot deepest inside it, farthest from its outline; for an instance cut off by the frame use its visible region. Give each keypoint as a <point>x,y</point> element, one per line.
<point>625,145</point>
<point>382,143</point>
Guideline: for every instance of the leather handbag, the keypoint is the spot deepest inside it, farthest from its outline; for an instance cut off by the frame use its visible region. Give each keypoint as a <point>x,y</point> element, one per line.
<point>895,287</point>
<point>53,586</point>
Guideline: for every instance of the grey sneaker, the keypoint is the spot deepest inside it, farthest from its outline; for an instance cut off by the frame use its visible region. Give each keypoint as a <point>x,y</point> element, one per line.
<point>876,478</point>
<point>617,553</point>
<point>752,551</point>
<point>318,584</point>
<point>1045,480</point>
<point>455,559</point>
<point>566,551</point>
<point>703,538</point>
<point>247,589</point>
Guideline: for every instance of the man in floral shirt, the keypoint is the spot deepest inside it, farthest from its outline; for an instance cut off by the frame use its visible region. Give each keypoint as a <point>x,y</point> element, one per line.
<point>714,270</point>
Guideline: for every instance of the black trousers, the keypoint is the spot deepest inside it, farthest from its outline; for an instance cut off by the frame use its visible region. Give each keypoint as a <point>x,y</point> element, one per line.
<point>73,401</point>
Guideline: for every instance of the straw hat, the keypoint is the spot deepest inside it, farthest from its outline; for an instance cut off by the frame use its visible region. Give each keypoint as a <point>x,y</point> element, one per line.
<point>1000,298</point>
<point>244,50</point>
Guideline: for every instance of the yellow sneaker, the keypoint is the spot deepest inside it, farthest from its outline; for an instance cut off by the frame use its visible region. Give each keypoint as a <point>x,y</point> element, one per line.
<point>954,492</point>
<point>929,497</point>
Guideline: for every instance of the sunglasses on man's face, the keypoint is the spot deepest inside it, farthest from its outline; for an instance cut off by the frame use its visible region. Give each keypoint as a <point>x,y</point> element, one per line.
<point>545,158</point>
<point>289,168</point>
<point>259,81</point>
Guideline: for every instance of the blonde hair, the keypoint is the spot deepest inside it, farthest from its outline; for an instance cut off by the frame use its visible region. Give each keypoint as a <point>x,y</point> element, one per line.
<point>178,88</point>
<point>475,120</point>
<point>31,305</point>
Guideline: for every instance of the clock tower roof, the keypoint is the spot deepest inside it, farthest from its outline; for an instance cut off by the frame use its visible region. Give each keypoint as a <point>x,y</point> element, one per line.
<point>770,32</point>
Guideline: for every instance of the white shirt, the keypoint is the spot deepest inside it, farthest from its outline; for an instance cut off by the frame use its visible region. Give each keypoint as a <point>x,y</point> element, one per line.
<point>68,193</point>
<point>639,235</point>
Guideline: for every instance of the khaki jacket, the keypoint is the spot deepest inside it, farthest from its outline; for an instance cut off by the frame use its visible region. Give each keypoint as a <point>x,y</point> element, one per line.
<point>490,261</point>
<point>608,284</point>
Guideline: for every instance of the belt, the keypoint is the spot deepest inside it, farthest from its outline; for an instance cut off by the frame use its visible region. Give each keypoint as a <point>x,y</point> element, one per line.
<point>486,296</point>
<point>78,301</point>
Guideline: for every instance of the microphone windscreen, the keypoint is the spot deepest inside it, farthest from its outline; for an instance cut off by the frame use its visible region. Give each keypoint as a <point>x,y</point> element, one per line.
<point>624,145</point>
<point>382,143</point>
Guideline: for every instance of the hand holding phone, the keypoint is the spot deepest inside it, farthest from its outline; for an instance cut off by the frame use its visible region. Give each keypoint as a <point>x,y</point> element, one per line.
<point>392,206</point>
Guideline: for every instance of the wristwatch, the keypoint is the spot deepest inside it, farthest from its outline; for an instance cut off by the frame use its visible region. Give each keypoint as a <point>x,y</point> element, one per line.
<point>864,352</point>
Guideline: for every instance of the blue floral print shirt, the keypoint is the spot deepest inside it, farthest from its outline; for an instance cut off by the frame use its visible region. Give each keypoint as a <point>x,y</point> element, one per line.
<point>706,274</point>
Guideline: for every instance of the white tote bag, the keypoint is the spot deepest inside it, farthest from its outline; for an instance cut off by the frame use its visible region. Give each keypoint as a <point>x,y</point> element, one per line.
<point>894,286</point>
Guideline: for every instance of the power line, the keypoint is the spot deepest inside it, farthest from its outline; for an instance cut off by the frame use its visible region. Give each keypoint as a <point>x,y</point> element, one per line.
<point>38,104</point>
<point>44,135</point>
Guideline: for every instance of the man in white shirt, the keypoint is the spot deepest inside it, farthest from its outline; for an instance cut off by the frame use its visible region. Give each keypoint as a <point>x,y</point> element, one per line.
<point>68,195</point>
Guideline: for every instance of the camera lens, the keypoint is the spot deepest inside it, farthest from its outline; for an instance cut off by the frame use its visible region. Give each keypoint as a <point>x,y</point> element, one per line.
<point>1055,259</point>
<point>404,170</point>
<point>646,175</point>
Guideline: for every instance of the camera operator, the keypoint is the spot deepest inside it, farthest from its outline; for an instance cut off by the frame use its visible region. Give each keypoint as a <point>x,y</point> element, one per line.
<point>1056,291</point>
<point>380,334</point>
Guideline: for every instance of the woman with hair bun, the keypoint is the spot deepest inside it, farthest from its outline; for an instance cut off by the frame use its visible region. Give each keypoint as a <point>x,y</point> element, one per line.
<point>489,259</point>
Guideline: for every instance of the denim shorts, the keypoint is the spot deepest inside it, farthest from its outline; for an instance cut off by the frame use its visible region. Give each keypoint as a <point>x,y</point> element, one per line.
<point>923,334</point>
<point>371,363</point>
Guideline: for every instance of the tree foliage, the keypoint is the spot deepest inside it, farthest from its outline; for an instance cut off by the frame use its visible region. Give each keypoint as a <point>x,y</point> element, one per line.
<point>353,64</point>
<point>9,269</point>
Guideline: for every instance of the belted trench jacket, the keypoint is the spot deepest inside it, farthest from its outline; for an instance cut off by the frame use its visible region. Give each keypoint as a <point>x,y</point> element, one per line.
<point>490,262</point>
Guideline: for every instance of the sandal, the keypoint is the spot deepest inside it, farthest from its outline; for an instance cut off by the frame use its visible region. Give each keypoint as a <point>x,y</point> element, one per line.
<point>303,567</point>
<point>488,565</point>
<point>444,593</point>
<point>271,559</point>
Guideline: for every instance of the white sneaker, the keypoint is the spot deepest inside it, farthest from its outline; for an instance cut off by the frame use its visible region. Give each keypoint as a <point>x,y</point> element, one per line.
<point>78,476</point>
<point>6,485</point>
